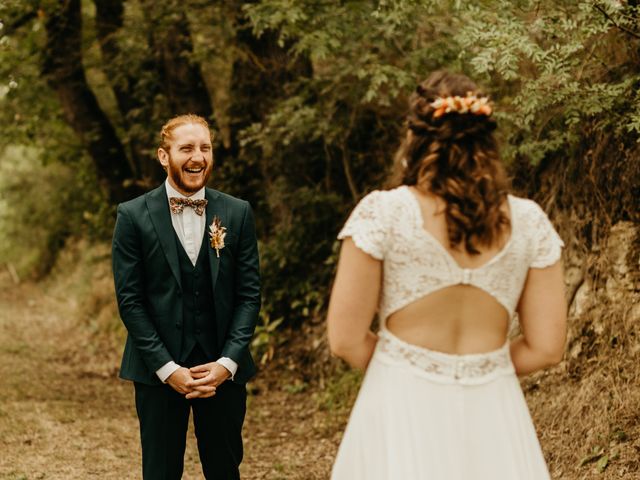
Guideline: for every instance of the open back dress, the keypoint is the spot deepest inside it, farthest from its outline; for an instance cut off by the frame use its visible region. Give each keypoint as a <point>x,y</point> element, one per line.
<point>427,415</point>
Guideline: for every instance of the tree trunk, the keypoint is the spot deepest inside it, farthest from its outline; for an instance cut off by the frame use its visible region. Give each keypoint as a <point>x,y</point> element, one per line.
<point>260,77</point>
<point>182,81</point>
<point>62,67</point>
<point>135,104</point>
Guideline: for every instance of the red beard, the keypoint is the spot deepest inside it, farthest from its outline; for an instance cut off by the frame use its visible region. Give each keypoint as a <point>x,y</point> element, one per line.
<point>189,183</point>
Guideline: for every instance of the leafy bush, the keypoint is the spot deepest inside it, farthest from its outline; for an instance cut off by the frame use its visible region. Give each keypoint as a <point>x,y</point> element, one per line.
<point>309,99</point>
<point>42,205</point>
<point>563,100</point>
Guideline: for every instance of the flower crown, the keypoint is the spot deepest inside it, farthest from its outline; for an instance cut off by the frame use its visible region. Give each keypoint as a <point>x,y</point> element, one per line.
<point>470,104</point>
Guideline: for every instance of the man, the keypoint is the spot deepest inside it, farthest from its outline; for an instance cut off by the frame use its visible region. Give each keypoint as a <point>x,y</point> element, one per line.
<point>185,264</point>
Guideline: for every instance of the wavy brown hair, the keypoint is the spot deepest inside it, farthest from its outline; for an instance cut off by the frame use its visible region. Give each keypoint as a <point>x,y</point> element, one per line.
<point>455,157</point>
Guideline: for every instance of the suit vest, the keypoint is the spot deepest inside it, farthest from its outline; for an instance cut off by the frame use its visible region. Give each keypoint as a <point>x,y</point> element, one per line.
<point>199,317</point>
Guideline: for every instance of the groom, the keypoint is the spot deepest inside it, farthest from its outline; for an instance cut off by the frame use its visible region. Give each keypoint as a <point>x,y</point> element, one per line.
<point>185,265</point>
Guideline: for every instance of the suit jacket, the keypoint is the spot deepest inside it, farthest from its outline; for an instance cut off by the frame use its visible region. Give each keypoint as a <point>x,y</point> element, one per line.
<point>148,283</point>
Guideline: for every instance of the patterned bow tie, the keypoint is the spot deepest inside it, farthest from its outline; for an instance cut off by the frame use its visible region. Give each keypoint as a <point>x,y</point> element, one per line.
<point>177,204</point>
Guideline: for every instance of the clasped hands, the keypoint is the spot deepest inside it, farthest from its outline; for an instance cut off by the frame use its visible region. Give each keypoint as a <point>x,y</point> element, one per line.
<point>200,381</point>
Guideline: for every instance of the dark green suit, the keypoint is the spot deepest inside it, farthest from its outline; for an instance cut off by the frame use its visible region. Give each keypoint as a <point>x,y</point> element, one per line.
<point>149,289</point>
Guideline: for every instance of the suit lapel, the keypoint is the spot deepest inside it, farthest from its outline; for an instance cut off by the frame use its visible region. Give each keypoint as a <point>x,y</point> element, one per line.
<point>215,208</point>
<point>158,206</point>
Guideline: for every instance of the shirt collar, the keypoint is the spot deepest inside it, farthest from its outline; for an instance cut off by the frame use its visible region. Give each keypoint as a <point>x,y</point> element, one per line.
<point>172,192</point>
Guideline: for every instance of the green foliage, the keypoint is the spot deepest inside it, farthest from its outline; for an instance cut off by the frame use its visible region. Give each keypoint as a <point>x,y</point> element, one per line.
<point>553,65</point>
<point>29,114</point>
<point>340,391</point>
<point>548,67</point>
<point>309,98</point>
<point>295,281</point>
<point>265,338</point>
<point>36,216</point>
<point>48,188</point>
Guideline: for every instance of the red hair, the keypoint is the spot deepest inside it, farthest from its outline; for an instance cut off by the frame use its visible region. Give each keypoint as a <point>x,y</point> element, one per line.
<point>168,128</point>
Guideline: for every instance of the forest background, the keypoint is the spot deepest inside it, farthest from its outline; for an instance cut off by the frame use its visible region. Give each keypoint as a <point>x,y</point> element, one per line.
<point>307,99</point>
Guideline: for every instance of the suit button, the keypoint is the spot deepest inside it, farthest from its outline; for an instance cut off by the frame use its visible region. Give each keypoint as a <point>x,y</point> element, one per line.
<point>197,293</point>
<point>197,331</point>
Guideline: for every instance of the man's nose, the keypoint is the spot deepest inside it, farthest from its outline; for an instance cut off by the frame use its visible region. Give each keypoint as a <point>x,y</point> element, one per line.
<point>199,155</point>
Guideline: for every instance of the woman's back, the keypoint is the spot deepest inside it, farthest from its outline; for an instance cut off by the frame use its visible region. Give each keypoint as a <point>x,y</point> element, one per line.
<point>458,318</point>
<point>441,298</point>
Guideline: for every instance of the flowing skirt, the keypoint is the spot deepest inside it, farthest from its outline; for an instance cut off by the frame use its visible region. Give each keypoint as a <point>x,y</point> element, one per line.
<point>427,415</point>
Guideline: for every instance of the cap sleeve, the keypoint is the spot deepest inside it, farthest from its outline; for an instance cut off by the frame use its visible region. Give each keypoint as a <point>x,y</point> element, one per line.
<point>366,225</point>
<point>547,244</point>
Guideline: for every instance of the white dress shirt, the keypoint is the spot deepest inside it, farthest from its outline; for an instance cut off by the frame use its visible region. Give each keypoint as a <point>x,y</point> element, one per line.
<point>189,228</point>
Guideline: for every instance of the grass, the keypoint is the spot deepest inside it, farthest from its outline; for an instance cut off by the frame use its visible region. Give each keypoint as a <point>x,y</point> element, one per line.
<point>341,391</point>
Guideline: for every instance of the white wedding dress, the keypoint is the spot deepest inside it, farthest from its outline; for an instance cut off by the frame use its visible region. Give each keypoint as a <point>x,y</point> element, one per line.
<point>422,414</point>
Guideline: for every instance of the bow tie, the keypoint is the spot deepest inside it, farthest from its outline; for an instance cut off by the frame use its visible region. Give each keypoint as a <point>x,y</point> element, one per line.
<point>177,204</point>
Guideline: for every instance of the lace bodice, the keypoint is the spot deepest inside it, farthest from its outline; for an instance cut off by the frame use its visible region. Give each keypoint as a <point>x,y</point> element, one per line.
<point>388,226</point>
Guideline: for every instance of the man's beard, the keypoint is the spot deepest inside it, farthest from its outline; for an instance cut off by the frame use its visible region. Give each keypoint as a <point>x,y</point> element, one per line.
<point>180,178</point>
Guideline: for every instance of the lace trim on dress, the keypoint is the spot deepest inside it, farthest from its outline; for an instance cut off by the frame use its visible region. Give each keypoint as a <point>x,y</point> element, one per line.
<point>551,256</point>
<point>362,241</point>
<point>447,368</point>
<point>366,227</point>
<point>548,247</point>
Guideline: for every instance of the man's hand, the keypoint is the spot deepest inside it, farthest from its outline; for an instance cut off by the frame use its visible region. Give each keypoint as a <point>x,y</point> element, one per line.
<point>179,380</point>
<point>206,378</point>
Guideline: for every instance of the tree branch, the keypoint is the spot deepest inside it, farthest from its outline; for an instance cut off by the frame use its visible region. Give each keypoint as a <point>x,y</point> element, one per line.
<point>12,26</point>
<point>619,27</point>
<point>346,157</point>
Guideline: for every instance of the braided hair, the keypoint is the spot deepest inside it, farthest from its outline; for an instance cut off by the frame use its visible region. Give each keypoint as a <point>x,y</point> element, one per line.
<point>455,157</point>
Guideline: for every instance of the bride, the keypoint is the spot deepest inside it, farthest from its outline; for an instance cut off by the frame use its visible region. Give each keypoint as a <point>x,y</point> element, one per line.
<point>446,260</point>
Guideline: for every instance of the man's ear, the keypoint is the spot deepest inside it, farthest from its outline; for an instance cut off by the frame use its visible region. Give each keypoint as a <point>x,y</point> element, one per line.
<point>163,157</point>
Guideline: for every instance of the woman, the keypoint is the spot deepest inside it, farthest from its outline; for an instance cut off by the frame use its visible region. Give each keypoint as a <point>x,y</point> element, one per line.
<point>447,259</point>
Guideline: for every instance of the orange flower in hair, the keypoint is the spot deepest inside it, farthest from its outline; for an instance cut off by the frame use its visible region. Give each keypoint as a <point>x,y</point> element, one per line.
<point>456,104</point>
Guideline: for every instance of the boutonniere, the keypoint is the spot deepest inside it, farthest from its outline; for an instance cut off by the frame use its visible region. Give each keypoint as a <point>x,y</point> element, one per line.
<point>216,234</point>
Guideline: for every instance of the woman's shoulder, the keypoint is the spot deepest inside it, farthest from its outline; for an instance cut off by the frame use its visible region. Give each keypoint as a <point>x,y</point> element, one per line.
<point>375,215</point>
<point>525,207</point>
<point>532,221</point>
<point>369,222</point>
<point>386,199</point>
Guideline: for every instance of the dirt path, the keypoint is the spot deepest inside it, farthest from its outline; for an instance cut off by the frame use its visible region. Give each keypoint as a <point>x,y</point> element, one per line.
<point>65,415</point>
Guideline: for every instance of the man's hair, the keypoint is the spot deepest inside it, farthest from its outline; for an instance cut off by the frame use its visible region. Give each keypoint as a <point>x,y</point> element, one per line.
<point>166,134</point>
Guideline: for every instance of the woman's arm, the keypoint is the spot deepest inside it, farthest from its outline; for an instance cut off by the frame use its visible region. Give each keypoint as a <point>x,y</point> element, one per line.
<point>543,318</point>
<point>353,304</point>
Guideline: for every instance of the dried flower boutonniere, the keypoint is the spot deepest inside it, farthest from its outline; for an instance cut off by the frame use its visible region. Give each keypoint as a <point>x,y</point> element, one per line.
<point>217,233</point>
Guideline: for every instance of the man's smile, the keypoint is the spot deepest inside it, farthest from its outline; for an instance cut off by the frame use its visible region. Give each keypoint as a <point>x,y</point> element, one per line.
<point>194,170</point>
